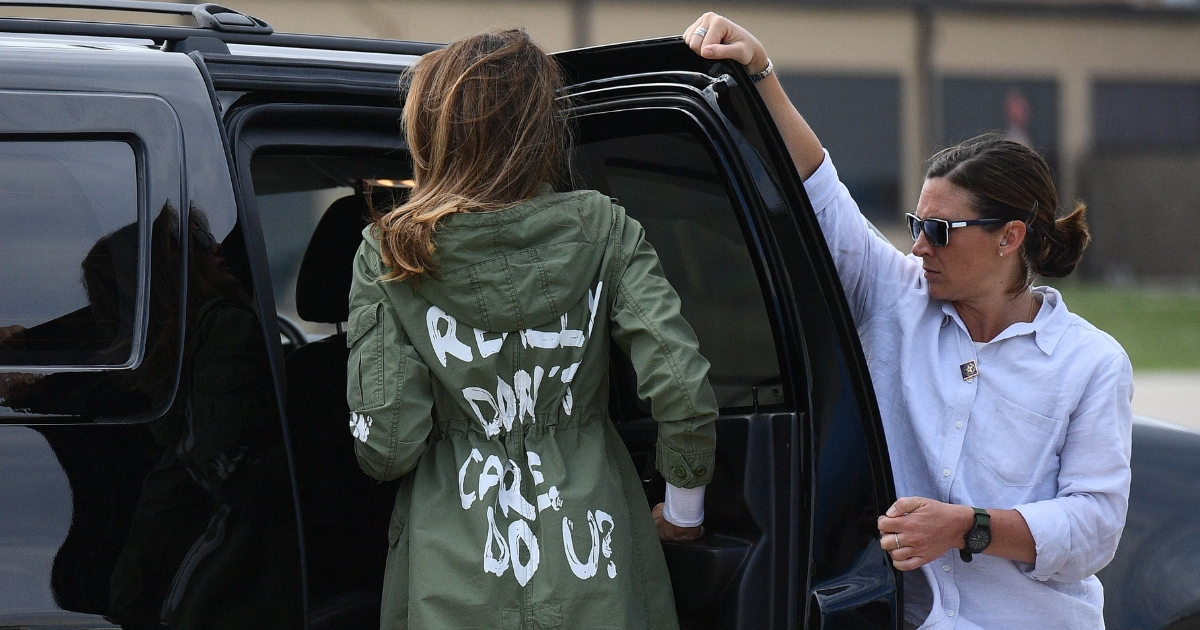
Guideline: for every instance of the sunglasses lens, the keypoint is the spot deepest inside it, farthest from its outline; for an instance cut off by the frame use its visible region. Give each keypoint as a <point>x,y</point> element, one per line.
<point>938,232</point>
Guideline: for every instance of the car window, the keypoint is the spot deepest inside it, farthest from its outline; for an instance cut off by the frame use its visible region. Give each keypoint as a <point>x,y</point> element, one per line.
<point>293,191</point>
<point>69,251</point>
<point>669,182</point>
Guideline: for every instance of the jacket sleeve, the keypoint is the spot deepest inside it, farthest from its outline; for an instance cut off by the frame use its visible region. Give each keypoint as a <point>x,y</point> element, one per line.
<point>1076,533</point>
<point>387,384</point>
<point>671,373</point>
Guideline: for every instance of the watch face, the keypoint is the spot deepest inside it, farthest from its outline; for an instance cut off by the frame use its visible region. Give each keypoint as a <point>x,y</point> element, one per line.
<point>978,540</point>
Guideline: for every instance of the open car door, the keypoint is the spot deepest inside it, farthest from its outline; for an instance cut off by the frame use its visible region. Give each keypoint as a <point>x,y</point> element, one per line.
<point>686,146</point>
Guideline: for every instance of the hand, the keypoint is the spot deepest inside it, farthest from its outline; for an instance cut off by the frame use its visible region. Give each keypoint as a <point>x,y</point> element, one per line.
<point>671,532</point>
<point>13,384</point>
<point>726,40</point>
<point>925,529</point>
<point>10,335</point>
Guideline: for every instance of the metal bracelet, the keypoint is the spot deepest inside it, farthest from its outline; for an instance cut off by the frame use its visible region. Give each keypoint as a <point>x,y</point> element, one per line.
<point>759,76</point>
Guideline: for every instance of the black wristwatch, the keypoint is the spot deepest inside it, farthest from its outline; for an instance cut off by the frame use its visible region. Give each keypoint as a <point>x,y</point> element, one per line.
<point>979,536</point>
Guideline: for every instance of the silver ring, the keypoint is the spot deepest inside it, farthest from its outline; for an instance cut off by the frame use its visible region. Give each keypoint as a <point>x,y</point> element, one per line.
<point>897,537</point>
<point>701,31</point>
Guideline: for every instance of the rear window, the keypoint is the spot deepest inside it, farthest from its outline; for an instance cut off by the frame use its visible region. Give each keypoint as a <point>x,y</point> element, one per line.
<point>69,250</point>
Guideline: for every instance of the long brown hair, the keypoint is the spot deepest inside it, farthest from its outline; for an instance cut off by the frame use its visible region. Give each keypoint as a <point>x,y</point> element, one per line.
<point>484,129</point>
<point>1011,182</point>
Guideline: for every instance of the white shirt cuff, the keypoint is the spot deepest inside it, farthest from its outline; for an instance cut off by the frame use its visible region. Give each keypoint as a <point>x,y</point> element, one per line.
<point>684,507</point>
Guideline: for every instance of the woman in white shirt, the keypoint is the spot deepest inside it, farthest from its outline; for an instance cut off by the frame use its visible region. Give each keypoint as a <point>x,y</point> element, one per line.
<point>1007,417</point>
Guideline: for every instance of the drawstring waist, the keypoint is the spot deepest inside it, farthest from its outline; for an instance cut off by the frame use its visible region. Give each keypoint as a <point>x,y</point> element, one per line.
<point>542,424</point>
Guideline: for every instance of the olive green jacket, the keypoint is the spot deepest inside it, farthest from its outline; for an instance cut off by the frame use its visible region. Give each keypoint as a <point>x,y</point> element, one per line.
<point>486,387</point>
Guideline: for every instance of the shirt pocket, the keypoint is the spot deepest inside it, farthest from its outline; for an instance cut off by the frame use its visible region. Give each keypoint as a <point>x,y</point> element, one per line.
<point>1018,445</point>
<point>365,365</point>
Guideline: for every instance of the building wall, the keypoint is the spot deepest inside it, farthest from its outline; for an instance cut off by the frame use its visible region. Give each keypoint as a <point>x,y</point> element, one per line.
<point>1057,56</point>
<point>1072,49</point>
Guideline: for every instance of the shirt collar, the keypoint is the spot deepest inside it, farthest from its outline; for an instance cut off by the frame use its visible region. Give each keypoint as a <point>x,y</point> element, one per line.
<point>1047,327</point>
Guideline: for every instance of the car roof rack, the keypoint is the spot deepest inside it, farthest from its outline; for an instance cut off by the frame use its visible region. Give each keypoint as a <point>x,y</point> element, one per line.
<point>208,15</point>
<point>212,21</point>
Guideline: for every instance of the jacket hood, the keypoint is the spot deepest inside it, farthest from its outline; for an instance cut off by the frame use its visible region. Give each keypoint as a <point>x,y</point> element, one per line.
<point>520,267</point>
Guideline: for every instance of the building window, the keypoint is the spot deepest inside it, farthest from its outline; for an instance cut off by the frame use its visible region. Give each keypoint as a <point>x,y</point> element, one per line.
<point>1022,110</point>
<point>858,120</point>
<point>1146,114</point>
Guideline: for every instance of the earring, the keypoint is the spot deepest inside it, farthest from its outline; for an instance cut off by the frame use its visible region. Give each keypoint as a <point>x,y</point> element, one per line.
<point>1002,254</point>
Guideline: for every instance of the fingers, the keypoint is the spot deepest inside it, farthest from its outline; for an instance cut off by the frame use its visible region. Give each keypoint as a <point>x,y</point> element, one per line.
<point>690,32</point>
<point>905,505</point>
<point>908,562</point>
<point>908,556</point>
<point>685,534</point>
<point>722,39</point>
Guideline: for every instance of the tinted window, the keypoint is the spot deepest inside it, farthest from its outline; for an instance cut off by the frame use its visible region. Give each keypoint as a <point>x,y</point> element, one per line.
<point>670,183</point>
<point>69,252</point>
<point>1143,114</point>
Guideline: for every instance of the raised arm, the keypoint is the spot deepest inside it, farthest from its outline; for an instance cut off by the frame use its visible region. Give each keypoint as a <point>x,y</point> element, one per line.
<point>726,40</point>
<point>874,275</point>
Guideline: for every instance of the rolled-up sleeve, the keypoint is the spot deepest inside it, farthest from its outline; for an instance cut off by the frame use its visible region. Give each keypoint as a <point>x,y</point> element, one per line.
<point>1076,533</point>
<point>671,372</point>
<point>873,272</point>
<point>388,387</point>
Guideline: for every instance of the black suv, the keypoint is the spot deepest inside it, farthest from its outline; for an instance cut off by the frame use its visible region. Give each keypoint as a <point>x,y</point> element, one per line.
<point>179,207</point>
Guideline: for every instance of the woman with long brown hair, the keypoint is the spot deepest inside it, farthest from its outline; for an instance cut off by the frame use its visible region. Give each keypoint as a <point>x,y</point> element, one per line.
<point>482,311</point>
<point>1007,417</point>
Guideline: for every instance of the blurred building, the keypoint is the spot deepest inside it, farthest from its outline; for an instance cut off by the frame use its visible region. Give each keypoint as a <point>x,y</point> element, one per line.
<point>1109,92</point>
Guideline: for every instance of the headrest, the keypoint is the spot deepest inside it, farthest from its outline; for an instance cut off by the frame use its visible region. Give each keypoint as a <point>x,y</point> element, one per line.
<point>323,284</point>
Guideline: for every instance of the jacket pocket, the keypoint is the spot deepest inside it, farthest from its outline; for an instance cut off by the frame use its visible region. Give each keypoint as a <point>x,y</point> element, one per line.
<point>365,366</point>
<point>1018,445</point>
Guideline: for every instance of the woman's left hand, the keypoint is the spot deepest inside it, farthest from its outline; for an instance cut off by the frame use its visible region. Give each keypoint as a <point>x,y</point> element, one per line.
<point>670,532</point>
<point>924,529</point>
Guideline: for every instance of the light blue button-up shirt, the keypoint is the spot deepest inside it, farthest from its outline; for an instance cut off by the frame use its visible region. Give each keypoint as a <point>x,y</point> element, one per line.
<point>1044,429</point>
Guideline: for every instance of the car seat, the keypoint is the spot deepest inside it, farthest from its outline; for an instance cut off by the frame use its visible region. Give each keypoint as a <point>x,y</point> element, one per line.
<point>344,512</point>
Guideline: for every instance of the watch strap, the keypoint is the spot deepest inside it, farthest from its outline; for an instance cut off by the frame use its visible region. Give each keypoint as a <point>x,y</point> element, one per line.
<point>983,520</point>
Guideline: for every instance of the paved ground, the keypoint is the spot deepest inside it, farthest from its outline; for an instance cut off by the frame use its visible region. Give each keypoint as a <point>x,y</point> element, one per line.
<point>1170,396</point>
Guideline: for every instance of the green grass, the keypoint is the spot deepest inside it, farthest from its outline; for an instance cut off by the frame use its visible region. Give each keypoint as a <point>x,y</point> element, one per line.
<point>1159,327</point>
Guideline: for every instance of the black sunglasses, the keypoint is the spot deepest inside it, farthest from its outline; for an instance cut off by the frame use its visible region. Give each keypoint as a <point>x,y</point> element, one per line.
<point>937,231</point>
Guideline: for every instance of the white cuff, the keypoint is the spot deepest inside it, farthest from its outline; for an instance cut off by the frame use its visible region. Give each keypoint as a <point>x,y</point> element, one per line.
<point>684,507</point>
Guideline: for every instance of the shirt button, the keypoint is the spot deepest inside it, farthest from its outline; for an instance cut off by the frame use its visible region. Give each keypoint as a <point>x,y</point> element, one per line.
<point>946,472</point>
<point>958,424</point>
<point>700,472</point>
<point>946,568</point>
<point>679,472</point>
<point>949,613</point>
